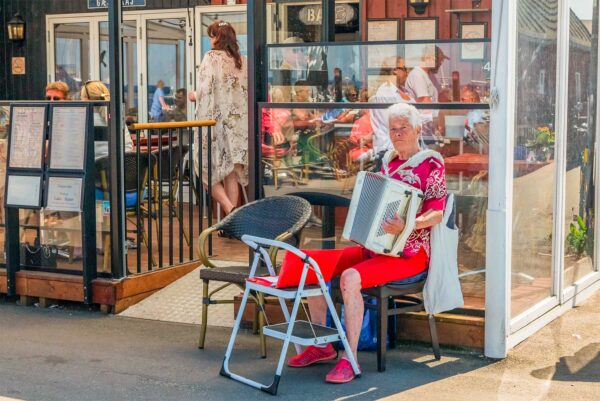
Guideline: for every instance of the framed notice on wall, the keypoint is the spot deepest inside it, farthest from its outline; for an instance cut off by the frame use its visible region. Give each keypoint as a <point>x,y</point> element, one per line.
<point>425,29</point>
<point>64,194</point>
<point>24,191</point>
<point>27,137</point>
<point>472,30</point>
<point>68,134</point>
<point>381,30</point>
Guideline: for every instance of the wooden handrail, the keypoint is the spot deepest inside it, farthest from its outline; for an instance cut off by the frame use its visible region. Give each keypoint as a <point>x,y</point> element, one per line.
<point>173,124</point>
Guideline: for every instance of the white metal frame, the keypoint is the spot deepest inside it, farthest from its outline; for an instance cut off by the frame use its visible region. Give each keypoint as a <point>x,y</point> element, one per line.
<point>561,299</point>
<point>499,212</point>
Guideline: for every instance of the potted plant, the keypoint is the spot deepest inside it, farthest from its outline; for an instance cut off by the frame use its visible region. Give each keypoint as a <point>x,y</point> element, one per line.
<point>577,239</point>
<point>542,143</point>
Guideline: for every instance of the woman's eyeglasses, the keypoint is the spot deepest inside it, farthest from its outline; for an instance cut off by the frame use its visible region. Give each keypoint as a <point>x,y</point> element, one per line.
<point>54,98</point>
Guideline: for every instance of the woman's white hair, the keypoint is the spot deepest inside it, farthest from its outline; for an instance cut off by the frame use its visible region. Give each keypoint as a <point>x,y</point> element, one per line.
<point>405,110</point>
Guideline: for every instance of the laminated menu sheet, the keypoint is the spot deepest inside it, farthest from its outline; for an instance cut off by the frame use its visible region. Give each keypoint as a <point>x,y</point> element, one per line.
<point>67,148</point>
<point>27,137</point>
<point>64,194</point>
<point>24,191</point>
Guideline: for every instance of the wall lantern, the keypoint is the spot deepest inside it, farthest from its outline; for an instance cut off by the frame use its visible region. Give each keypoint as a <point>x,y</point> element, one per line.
<point>16,28</point>
<point>419,5</point>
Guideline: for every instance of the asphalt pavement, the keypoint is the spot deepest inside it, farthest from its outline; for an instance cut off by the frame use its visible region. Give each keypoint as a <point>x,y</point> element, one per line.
<point>75,354</point>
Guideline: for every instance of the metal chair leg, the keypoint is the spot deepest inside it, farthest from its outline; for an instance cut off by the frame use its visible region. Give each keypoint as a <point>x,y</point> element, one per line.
<point>261,323</point>
<point>382,323</point>
<point>435,344</point>
<point>392,327</point>
<point>205,303</point>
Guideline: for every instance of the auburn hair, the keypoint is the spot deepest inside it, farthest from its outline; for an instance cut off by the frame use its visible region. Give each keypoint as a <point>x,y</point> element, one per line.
<point>226,40</point>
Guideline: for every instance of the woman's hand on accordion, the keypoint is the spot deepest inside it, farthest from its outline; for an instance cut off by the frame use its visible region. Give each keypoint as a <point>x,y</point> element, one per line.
<point>394,226</point>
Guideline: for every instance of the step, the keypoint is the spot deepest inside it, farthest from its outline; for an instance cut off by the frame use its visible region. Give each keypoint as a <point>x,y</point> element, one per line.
<point>302,333</point>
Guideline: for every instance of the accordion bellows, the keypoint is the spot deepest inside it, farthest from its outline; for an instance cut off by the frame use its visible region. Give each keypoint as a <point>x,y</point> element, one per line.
<point>377,198</point>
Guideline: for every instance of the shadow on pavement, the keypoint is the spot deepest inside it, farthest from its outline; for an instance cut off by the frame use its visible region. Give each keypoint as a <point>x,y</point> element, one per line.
<point>584,366</point>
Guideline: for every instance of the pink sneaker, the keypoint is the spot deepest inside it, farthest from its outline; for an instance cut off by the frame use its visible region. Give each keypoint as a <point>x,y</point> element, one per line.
<point>312,355</point>
<point>341,373</point>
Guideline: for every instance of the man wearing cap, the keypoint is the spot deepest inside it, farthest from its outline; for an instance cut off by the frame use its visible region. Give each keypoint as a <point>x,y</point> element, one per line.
<point>423,84</point>
<point>392,90</point>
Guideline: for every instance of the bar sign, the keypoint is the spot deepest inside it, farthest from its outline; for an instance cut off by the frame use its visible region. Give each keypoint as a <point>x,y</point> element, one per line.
<point>126,3</point>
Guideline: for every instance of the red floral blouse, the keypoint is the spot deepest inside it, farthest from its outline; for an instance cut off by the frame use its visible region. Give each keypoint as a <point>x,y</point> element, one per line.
<point>429,177</point>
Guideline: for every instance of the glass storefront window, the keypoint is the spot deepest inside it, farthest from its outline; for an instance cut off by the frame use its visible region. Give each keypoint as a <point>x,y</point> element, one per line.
<point>71,58</point>
<point>534,166</point>
<point>429,72</point>
<point>130,64</point>
<point>581,133</point>
<point>166,58</point>
<point>302,20</point>
<point>321,150</point>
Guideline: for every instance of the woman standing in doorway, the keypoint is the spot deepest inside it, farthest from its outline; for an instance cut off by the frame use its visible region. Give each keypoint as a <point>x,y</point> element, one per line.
<point>222,95</point>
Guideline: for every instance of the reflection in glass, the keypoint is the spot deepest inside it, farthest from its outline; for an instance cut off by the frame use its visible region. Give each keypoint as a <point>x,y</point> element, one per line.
<point>304,19</point>
<point>534,166</point>
<point>439,74</point>
<point>130,64</point>
<point>321,151</point>
<point>166,69</point>
<point>580,186</point>
<point>71,57</point>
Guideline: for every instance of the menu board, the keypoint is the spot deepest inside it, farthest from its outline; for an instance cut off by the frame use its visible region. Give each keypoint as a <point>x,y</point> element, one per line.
<point>67,149</point>
<point>27,135</point>
<point>23,190</point>
<point>64,194</point>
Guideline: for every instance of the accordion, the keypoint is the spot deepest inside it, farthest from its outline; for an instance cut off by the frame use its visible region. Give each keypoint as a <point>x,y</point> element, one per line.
<point>377,198</point>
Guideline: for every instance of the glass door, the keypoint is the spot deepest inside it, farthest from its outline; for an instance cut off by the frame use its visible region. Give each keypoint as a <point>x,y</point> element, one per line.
<point>168,47</point>
<point>130,63</point>
<point>235,15</point>
<point>71,55</point>
<point>580,198</point>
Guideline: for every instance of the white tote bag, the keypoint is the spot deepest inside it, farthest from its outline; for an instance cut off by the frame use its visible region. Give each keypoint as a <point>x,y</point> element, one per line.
<point>442,289</point>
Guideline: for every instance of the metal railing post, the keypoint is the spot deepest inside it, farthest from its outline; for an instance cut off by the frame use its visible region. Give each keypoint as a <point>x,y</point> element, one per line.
<point>117,200</point>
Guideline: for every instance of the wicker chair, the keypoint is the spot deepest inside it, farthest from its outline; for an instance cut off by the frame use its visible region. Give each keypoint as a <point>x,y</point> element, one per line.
<point>277,217</point>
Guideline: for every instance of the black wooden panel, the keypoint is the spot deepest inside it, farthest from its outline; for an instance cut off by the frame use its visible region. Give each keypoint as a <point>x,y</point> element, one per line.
<point>31,86</point>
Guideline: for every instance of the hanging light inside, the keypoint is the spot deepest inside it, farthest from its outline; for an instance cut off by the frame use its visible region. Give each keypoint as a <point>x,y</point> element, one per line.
<point>419,5</point>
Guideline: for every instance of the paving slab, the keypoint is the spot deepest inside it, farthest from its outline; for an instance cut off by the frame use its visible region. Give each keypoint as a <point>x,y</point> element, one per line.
<point>181,301</point>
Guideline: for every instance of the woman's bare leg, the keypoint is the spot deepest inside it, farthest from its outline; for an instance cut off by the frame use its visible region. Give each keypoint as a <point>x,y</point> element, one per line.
<point>318,310</point>
<point>232,189</point>
<point>354,307</point>
<point>219,194</point>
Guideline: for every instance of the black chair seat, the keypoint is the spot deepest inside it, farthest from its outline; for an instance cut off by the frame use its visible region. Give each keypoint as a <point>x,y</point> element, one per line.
<point>231,274</point>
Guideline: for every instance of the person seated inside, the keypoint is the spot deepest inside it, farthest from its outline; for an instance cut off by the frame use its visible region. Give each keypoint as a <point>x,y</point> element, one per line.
<point>359,268</point>
<point>179,110</point>
<point>57,91</point>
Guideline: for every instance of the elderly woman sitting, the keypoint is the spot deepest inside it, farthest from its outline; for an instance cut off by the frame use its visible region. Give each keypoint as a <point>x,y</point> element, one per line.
<point>360,268</point>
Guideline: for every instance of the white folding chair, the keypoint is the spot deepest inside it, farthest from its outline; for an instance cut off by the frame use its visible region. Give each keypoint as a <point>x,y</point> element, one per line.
<point>297,332</point>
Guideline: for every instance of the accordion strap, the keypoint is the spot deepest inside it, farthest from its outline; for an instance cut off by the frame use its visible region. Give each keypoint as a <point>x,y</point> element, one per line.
<point>412,162</point>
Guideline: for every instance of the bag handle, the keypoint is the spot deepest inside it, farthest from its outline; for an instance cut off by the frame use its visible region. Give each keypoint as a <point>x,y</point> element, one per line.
<point>448,208</point>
